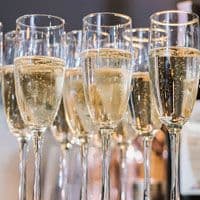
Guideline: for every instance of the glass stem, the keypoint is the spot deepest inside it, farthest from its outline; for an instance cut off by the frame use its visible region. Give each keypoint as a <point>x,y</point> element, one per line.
<point>147,142</point>
<point>23,145</point>
<point>63,180</point>
<point>174,136</point>
<point>84,163</point>
<point>105,135</point>
<point>37,142</point>
<point>60,177</point>
<point>123,172</point>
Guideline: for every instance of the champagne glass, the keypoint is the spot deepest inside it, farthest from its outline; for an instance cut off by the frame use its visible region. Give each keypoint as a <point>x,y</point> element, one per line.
<point>174,71</point>
<point>13,116</point>
<point>39,76</point>
<point>76,110</point>
<point>62,133</point>
<point>107,66</point>
<point>141,102</point>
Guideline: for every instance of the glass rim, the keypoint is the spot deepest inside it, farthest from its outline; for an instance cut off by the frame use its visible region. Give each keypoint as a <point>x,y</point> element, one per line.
<point>123,16</point>
<point>62,21</point>
<point>195,18</point>
<point>137,38</point>
<point>140,29</point>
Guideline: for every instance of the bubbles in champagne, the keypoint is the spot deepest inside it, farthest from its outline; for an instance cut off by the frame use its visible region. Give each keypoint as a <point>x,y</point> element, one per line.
<point>39,83</point>
<point>174,74</point>
<point>107,76</point>
<point>75,106</point>
<point>13,116</point>
<point>142,104</point>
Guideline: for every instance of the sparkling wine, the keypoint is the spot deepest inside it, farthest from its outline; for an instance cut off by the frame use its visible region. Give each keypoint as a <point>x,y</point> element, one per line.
<point>39,84</point>
<point>140,100</point>
<point>13,116</point>
<point>108,77</point>
<point>60,128</point>
<point>142,104</point>
<point>75,105</point>
<point>173,74</point>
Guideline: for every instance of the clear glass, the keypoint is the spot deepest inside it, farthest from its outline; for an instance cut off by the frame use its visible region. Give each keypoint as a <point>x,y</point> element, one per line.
<point>141,102</point>
<point>39,76</point>
<point>174,71</point>
<point>9,47</point>
<point>76,111</point>
<point>13,116</point>
<point>63,136</point>
<point>107,66</point>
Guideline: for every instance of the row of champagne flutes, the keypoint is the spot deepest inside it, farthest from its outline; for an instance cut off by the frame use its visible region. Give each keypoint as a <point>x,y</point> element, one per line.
<point>109,67</point>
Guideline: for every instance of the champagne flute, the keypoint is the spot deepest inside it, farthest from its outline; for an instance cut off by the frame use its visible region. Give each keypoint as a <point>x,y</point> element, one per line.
<point>76,110</point>
<point>61,133</point>
<point>107,60</point>
<point>39,76</point>
<point>141,102</point>
<point>174,72</point>
<point>13,116</point>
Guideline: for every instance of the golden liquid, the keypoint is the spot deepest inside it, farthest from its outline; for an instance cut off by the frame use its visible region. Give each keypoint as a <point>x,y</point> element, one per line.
<point>174,74</point>
<point>108,75</point>
<point>141,100</point>
<point>142,104</point>
<point>75,105</point>
<point>13,116</point>
<point>39,83</point>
